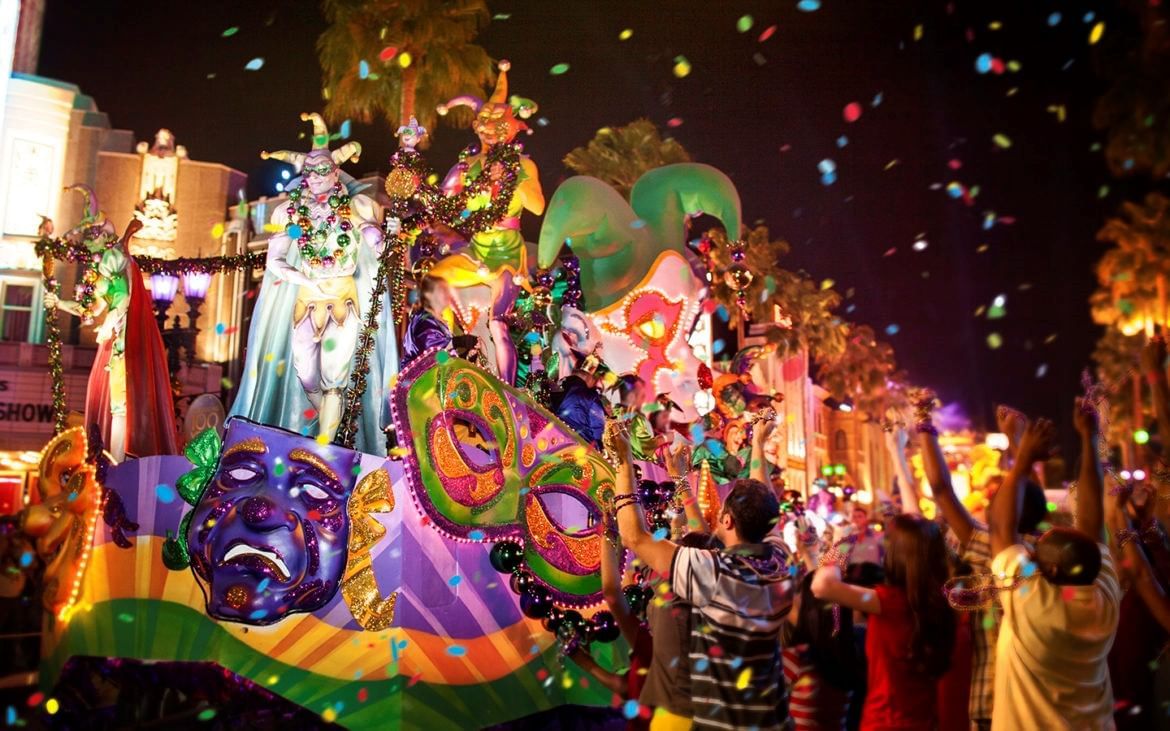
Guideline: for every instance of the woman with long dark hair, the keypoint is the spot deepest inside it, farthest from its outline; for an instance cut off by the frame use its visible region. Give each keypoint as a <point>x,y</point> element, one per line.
<point>911,628</point>
<point>820,661</point>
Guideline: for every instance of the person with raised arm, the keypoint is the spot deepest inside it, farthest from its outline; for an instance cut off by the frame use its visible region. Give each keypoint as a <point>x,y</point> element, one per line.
<point>975,545</point>
<point>1060,602</point>
<point>739,594</point>
<point>910,629</point>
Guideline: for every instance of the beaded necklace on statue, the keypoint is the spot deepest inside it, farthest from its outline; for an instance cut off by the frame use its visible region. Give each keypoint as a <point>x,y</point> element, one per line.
<point>86,290</point>
<point>313,241</point>
<point>455,210</point>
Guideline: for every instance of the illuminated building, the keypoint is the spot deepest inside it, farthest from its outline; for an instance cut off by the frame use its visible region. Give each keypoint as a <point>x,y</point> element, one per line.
<point>53,135</point>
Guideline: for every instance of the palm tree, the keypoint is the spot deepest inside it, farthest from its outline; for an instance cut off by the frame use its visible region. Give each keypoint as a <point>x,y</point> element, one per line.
<point>434,35</point>
<point>1132,274</point>
<point>865,372</point>
<point>1116,356</point>
<point>618,156</point>
<point>1134,112</point>
<point>801,312</point>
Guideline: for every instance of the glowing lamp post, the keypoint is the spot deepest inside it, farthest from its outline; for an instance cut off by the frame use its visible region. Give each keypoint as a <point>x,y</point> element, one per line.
<point>163,288</point>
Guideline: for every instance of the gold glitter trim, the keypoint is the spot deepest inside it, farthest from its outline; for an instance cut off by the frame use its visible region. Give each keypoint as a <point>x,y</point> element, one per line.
<point>253,445</point>
<point>304,455</point>
<point>359,587</point>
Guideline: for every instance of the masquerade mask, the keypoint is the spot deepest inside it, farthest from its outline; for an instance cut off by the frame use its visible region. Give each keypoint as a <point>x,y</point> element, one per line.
<point>268,534</point>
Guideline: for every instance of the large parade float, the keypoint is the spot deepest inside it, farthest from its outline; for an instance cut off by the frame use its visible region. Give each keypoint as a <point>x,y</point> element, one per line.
<point>392,528</point>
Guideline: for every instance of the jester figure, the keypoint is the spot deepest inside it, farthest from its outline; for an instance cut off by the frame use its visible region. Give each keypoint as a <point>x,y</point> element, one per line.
<point>321,266</point>
<point>494,257</point>
<point>128,397</point>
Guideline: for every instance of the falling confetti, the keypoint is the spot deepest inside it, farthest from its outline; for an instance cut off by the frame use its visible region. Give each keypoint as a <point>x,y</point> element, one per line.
<point>892,329</point>
<point>363,69</point>
<point>767,33</point>
<point>744,24</point>
<point>808,6</point>
<point>456,650</point>
<point>994,341</point>
<point>1002,141</point>
<point>206,714</point>
<point>674,122</point>
<point>1096,33</point>
<point>1054,20</point>
<point>626,34</point>
<point>559,69</point>
<point>983,63</point>
<point>682,67</point>
<point>255,64</point>
<point>164,493</point>
<point>1042,370</point>
<point>920,245</point>
<point>387,53</point>
<point>229,32</point>
<point>745,677</point>
<point>852,112</point>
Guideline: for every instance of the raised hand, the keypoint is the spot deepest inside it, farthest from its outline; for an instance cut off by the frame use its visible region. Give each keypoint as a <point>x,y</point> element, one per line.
<point>1036,444</point>
<point>1011,422</point>
<point>1085,418</point>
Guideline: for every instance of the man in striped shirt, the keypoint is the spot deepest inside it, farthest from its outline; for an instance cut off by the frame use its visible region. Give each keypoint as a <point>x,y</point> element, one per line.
<point>739,595</point>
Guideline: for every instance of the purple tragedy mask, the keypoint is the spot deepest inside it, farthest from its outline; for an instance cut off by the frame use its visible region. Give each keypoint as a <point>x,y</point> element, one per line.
<point>268,538</point>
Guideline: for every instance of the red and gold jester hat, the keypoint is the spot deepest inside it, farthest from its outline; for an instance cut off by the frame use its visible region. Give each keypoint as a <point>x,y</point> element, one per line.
<point>500,118</point>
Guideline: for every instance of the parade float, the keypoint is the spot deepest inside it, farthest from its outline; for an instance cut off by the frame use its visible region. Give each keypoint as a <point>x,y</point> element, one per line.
<point>390,529</point>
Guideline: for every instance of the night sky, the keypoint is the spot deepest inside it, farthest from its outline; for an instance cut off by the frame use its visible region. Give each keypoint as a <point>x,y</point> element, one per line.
<point>765,112</point>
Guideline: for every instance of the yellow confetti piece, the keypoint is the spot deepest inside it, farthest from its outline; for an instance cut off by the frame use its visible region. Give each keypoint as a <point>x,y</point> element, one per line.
<point>1096,33</point>
<point>329,715</point>
<point>1002,141</point>
<point>52,706</point>
<point>827,284</point>
<point>272,679</point>
<point>322,439</point>
<point>399,452</point>
<point>217,231</point>
<point>994,25</point>
<point>744,678</point>
<point>994,341</point>
<point>405,59</point>
<point>892,163</point>
<point>918,32</point>
<point>682,67</point>
<point>626,35</point>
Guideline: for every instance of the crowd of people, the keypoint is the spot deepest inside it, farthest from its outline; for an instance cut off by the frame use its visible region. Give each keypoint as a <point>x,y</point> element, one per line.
<point>1007,618</point>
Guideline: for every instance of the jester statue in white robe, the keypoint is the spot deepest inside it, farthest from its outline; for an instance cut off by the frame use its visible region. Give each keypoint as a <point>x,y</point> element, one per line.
<point>321,266</point>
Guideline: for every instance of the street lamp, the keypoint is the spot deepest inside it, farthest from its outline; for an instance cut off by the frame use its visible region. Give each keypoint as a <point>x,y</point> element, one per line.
<point>195,286</point>
<point>163,288</point>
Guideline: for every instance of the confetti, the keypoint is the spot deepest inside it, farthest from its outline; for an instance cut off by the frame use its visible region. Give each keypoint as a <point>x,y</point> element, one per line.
<point>745,677</point>
<point>630,709</point>
<point>918,32</point>
<point>767,33</point>
<point>744,24</point>
<point>994,341</point>
<point>1042,370</point>
<point>852,112</point>
<point>35,699</point>
<point>1002,141</point>
<point>387,53</point>
<point>164,493</point>
<point>1096,33</point>
<point>920,245</point>
<point>892,329</point>
<point>682,67</point>
<point>559,69</point>
<point>626,34</point>
<point>329,715</point>
<point>255,64</point>
<point>363,69</point>
<point>1054,20</point>
<point>997,309</point>
<point>455,580</point>
<point>674,122</point>
<point>52,706</point>
<point>808,6</point>
<point>456,650</point>
<point>206,714</point>
<point>405,59</point>
<point>229,32</point>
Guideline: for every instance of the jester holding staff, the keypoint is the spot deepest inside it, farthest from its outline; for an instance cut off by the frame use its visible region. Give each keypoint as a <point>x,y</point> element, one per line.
<point>321,266</point>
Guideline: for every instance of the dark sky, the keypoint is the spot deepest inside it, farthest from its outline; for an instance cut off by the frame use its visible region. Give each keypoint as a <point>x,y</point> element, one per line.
<point>766,121</point>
